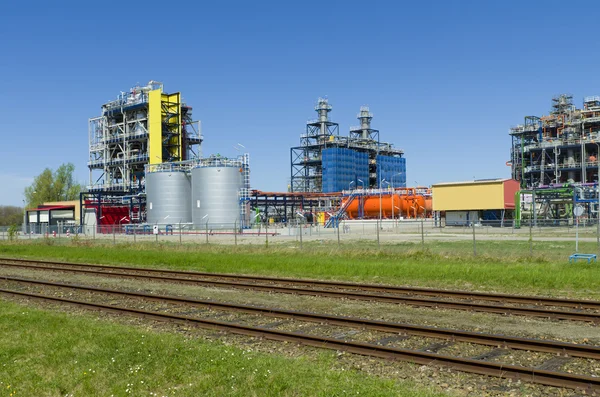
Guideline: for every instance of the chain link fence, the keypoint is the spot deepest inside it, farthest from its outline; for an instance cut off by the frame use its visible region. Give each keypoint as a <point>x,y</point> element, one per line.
<point>425,232</point>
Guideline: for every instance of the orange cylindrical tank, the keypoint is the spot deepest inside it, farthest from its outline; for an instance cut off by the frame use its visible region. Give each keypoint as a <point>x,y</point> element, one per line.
<point>429,204</point>
<point>403,206</point>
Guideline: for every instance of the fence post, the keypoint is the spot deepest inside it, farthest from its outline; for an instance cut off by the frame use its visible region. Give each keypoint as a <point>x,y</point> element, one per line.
<point>530,238</point>
<point>179,232</point>
<point>235,231</point>
<point>474,243</point>
<point>206,232</point>
<point>422,234</point>
<point>377,223</point>
<point>267,233</point>
<point>114,237</point>
<point>337,221</point>
<point>134,238</point>
<point>300,232</point>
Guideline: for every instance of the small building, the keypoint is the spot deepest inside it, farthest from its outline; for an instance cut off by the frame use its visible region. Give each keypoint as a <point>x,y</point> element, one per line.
<point>487,201</point>
<point>52,216</point>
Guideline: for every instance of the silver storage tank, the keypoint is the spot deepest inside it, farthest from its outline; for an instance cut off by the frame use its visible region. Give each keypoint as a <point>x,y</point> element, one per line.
<point>215,196</point>
<point>168,195</point>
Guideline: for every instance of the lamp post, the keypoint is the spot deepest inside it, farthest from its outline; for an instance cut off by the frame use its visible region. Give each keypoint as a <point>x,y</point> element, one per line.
<point>361,183</point>
<point>598,197</point>
<point>350,185</point>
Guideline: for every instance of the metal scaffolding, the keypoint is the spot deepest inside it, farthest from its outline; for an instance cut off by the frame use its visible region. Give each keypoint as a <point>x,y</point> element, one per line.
<point>363,159</point>
<point>142,126</point>
<point>559,148</point>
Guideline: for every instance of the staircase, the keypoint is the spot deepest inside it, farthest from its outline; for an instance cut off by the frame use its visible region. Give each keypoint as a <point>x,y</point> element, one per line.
<point>334,219</point>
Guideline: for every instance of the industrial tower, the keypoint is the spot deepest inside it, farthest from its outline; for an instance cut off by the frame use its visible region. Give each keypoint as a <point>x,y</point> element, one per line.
<point>142,126</point>
<point>327,162</point>
<point>559,148</point>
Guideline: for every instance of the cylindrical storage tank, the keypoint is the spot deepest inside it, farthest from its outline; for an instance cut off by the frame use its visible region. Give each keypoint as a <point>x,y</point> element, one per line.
<point>216,196</point>
<point>168,197</point>
<point>403,206</point>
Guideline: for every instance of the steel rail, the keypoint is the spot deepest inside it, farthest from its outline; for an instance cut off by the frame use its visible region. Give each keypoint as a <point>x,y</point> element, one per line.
<point>414,301</point>
<point>555,347</point>
<point>536,300</point>
<point>529,374</point>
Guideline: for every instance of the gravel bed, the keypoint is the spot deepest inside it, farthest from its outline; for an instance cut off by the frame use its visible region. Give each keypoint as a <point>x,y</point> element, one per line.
<point>454,383</point>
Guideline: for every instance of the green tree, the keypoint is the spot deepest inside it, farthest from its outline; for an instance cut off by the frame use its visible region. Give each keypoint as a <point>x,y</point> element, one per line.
<point>10,215</point>
<point>53,186</point>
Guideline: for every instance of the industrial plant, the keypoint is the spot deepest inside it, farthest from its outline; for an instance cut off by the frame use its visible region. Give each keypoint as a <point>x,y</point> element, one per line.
<point>146,167</point>
<point>148,173</point>
<point>555,159</point>
<point>327,162</point>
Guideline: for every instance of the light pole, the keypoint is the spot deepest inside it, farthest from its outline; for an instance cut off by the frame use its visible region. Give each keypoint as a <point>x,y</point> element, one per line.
<point>350,185</point>
<point>598,197</point>
<point>361,183</point>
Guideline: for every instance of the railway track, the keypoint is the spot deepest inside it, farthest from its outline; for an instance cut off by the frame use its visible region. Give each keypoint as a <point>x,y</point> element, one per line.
<point>539,306</point>
<point>477,366</point>
<point>503,341</point>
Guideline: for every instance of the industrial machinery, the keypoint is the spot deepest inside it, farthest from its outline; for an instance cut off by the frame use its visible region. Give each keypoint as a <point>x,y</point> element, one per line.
<point>142,126</point>
<point>555,159</point>
<point>559,148</point>
<point>326,162</point>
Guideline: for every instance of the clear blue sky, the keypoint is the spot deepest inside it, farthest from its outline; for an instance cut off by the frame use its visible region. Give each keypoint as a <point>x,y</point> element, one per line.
<point>445,80</point>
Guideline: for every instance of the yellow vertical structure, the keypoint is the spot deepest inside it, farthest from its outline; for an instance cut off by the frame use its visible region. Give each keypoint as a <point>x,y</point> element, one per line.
<point>155,127</point>
<point>171,117</point>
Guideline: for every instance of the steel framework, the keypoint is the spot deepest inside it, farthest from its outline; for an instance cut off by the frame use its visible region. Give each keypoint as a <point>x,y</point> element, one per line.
<point>142,126</point>
<point>306,160</point>
<point>558,148</point>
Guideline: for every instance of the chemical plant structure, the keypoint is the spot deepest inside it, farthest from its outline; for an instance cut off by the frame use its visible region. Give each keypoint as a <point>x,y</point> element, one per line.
<point>148,175</point>
<point>556,160</point>
<point>146,168</point>
<point>370,174</point>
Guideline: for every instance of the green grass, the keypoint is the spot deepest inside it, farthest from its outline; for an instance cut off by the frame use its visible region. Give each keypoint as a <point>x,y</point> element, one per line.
<point>48,353</point>
<point>499,265</point>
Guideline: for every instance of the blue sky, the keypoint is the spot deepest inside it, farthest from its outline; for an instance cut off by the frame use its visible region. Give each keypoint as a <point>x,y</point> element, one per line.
<point>445,80</point>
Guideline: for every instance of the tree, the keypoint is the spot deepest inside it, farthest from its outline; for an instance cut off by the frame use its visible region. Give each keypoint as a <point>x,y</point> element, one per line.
<point>53,186</point>
<point>10,215</point>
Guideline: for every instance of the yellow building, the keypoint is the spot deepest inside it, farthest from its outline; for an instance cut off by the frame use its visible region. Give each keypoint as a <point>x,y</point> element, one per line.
<point>473,201</point>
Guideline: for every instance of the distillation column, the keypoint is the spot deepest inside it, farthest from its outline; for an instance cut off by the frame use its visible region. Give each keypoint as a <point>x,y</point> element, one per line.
<point>323,108</point>
<point>365,121</point>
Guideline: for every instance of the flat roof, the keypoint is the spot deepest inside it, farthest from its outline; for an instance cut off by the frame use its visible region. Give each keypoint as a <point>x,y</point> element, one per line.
<point>52,208</point>
<point>474,182</point>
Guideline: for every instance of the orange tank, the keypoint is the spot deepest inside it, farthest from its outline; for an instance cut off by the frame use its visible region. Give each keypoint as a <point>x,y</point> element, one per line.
<point>403,206</point>
<point>429,204</point>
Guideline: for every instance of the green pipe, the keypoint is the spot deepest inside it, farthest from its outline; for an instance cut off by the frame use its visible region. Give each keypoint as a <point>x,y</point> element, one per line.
<point>567,190</point>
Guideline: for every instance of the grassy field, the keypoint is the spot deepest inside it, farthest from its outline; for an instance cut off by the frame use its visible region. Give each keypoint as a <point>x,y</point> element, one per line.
<point>500,265</point>
<point>48,353</point>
